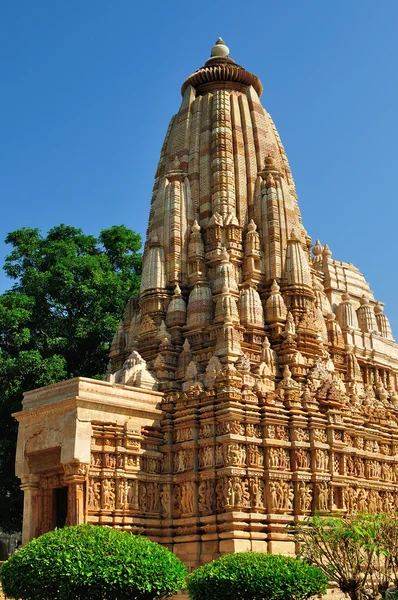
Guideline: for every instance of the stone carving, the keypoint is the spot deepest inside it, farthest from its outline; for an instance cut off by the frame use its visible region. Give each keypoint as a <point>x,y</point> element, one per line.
<point>236,492</point>
<point>303,459</point>
<point>321,461</point>
<point>182,460</point>
<point>234,454</point>
<point>230,427</point>
<point>279,459</point>
<point>187,498</point>
<point>108,494</point>
<point>253,430</point>
<point>305,496</point>
<point>256,492</point>
<point>206,496</point>
<point>94,494</point>
<point>255,455</point>
<point>281,433</point>
<point>302,435</point>
<point>320,435</point>
<point>134,372</point>
<point>282,495</point>
<point>206,431</point>
<point>132,493</point>
<point>183,435</point>
<point>165,499</point>
<point>323,495</point>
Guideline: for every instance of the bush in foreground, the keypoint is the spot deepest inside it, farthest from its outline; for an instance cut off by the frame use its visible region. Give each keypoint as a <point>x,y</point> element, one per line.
<point>359,554</point>
<point>94,563</point>
<point>256,576</point>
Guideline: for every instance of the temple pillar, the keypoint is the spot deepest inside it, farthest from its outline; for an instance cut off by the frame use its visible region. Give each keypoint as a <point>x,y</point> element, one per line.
<point>75,479</point>
<point>30,488</point>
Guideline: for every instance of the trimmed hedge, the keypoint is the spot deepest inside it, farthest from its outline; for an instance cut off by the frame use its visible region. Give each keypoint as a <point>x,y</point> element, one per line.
<point>256,576</point>
<point>92,563</point>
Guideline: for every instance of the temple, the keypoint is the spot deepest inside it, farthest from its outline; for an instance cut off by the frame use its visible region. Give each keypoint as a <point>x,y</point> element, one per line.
<point>253,382</point>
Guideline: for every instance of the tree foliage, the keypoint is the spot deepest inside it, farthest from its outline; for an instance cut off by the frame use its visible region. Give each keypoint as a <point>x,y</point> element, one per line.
<point>358,554</point>
<point>57,321</point>
<point>256,576</point>
<point>90,562</point>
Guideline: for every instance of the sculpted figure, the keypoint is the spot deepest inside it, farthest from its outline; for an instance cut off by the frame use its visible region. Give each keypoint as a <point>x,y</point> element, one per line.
<point>143,496</point>
<point>273,458</point>
<point>208,456</point>
<point>108,489</point>
<point>373,501</point>
<point>257,492</point>
<point>362,500</point>
<point>176,500</point>
<point>302,459</point>
<point>274,494</point>
<point>122,493</point>
<point>238,493</point>
<point>202,496</point>
<point>323,495</point>
<point>305,496</point>
<point>219,456</point>
<point>187,497</point>
<point>320,435</point>
<point>132,493</point>
<point>281,433</point>
<point>245,493</point>
<point>150,496</point>
<point>359,467</point>
<point>321,460</point>
<point>165,499</point>
<point>302,435</point>
<point>220,495</point>
<point>270,431</point>
<point>350,497</point>
<point>94,494</point>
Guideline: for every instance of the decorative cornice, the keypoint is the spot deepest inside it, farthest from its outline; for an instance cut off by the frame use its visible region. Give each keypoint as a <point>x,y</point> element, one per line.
<point>221,73</point>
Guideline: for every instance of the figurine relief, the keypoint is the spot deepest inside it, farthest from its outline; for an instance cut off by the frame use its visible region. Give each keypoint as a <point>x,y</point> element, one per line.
<point>279,458</point>
<point>165,499</point>
<point>206,456</point>
<point>255,455</point>
<point>206,496</point>
<point>94,494</point>
<point>303,459</point>
<point>323,495</point>
<point>257,492</point>
<point>108,494</point>
<point>305,496</point>
<point>321,459</point>
<point>282,495</point>
<point>187,497</point>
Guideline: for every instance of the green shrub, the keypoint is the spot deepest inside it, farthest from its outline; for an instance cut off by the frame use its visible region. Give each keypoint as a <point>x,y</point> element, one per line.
<point>94,563</point>
<point>256,576</point>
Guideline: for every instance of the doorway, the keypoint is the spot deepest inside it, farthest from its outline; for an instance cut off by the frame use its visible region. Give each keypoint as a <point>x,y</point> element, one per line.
<point>60,506</point>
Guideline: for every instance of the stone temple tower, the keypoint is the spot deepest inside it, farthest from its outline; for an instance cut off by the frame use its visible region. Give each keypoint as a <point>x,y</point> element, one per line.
<point>253,381</point>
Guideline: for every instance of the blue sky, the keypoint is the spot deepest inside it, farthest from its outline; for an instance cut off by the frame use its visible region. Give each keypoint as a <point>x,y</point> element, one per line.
<point>88,89</point>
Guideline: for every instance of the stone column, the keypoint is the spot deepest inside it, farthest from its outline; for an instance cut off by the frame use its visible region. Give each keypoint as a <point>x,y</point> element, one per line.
<point>30,488</point>
<point>75,478</point>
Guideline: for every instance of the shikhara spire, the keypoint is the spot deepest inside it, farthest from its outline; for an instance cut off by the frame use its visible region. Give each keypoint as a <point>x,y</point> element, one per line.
<point>255,378</point>
<point>225,227</point>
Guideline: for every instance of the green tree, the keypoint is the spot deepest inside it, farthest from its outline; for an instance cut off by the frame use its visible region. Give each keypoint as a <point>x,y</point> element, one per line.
<point>91,562</point>
<point>359,554</point>
<point>57,321</point>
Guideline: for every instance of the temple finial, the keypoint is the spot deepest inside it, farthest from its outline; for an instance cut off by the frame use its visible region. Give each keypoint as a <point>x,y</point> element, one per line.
<point>220,49</point>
